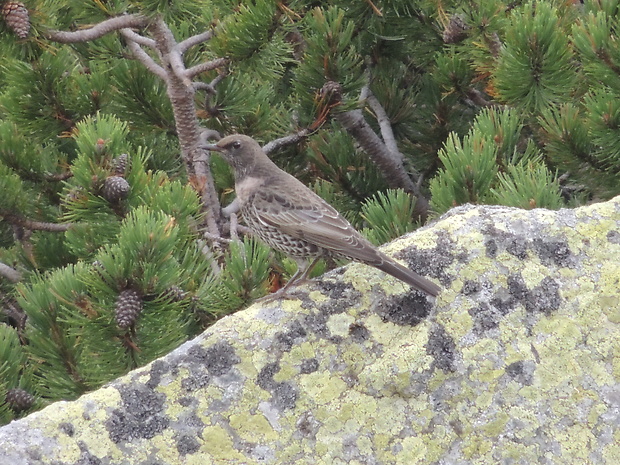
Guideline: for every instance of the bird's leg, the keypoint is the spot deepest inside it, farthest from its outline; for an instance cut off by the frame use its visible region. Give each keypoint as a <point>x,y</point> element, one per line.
<point>302,272</point>
<point>300,276</point>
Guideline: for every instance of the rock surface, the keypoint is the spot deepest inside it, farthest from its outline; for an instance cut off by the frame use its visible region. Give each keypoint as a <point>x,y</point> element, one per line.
<point>517,362</point>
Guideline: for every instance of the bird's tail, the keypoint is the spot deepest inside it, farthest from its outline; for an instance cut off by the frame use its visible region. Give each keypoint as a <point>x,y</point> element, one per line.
<point>410,277</point>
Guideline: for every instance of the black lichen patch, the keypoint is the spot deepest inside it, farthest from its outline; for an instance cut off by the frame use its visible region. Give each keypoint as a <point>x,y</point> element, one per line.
<point>359,333</point>
<point>553,252</point>
<point>187,444</point>
<point>518,247</point>
<point>287,339</point>
<point>486,317</point>
<point>218,359</point>
<point>431,262</point>
<point>309,365</point>
<point>613,236</point>
<point>86,457</point>
<point>284,394</point>
<point>265,376</point>
<point>491,248</point>
<point>341,295</point>
<point>442,348</point>
<point>471,287</point>
<point>522,372</point>
<point>140,415</point>
<point>67,428</point>
<point>198,378</point>
<point>317,324</point>
<point>544,298</point>
<point>408,310</point>
<point>158,369</point>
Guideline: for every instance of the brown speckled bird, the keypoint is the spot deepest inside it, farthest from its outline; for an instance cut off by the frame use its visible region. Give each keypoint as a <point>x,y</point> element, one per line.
<point>289,217</point>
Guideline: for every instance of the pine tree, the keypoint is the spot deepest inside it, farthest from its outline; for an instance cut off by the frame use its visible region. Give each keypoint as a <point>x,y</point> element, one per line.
<point>114,248</point>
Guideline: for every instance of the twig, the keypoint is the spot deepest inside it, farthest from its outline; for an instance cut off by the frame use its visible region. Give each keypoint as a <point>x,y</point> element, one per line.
<point>35,225</point>
<point>99,30</point>
<point>385,125</point>
<point>139,39</point>
<point>58,176</point>
<point>184,45</point>
<point>10,273</point>
<point>142,56</point>
<point>207,66</point>
<point>284,141</point>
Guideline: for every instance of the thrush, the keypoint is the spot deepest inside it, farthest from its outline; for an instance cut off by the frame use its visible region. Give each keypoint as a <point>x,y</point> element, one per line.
<point>291,218</point>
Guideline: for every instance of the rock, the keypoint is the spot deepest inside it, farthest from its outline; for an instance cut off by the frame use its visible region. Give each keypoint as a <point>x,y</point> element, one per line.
<point>517,362</point>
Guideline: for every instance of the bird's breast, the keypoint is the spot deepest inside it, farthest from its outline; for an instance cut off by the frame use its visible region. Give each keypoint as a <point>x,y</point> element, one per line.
<point>246,187</point>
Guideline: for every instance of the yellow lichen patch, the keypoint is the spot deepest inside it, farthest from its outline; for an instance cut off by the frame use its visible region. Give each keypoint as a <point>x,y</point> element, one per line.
<point>252,428</point>
<point>323,387</point>
<point>339,324</point>
<point>219,445</point>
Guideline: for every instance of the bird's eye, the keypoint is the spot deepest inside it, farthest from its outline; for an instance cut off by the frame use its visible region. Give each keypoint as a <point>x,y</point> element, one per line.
<point>236,144</point>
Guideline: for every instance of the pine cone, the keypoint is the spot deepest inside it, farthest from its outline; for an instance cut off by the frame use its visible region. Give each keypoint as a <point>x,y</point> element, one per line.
<point>19,399</point>
<point>456,30</point>
<point>128,307</point>
<point>16,17</point>
<point>115,189</point>
<point>121,163</point>
<point>175,294</point>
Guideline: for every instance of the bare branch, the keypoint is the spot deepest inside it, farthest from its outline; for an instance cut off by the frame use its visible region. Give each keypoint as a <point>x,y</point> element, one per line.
<point>10,273</point>
<point>139,39</point>
<point>204,86</point>
<point>194,40</point>
<point>59,176</point>
<point>284,141</point>
<point>142,56</point>
<point>98,30</point>
<point>207,66</point>
<point>35,225</point>
<point>393,171</point>
<point>385,125</point>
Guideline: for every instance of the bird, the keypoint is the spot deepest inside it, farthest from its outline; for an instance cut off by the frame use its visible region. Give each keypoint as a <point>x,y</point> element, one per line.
<point>289,217</point>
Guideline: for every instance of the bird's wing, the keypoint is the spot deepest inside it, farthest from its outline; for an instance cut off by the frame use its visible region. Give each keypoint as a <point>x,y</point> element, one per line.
<point>303,214</point>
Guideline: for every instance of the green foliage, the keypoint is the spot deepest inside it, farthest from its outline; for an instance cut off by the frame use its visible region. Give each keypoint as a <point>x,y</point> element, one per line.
<point>493,164</point>
<point>334,153</point>
<point>12,373</point>
<point>535,69</point>
<point>528,185</point>
<point>389,215</point>
<point>245,277</point>
<point>329,56</point>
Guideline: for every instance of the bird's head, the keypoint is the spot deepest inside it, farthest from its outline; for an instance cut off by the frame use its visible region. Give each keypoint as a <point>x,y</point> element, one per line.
<point>240,151</point>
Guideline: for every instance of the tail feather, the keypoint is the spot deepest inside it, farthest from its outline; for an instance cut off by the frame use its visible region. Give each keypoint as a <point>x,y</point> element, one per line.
<point>408,276</point>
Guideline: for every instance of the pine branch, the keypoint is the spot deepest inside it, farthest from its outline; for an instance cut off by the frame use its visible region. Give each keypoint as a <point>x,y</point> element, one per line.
<point>389,162</point>
<point>207,66</point>
<point>59,176</point>
<point>35,225</point>
<point>355,124</point>
<point>185,45</point>
<point>99,30</point>
<point>10,273</point>
<point>288,140</point>
<point>385,125</point>
<point>139,39</point>
<point>181,93</point>
<point>141,55</point>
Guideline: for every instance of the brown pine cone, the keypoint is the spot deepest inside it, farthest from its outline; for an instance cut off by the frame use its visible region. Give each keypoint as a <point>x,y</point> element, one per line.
<point>115,189</point>
<point>16,17</point>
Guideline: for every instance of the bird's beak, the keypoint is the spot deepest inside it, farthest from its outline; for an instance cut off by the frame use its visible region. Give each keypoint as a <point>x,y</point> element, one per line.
<point>212,147</point>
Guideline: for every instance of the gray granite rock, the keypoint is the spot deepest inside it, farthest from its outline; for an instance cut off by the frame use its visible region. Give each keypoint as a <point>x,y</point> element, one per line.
<point>517,362</point>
